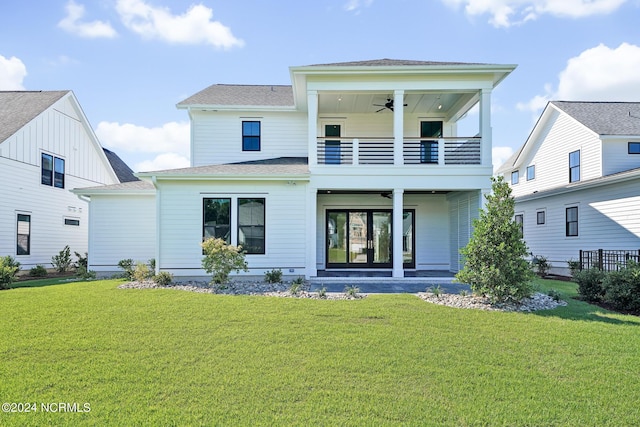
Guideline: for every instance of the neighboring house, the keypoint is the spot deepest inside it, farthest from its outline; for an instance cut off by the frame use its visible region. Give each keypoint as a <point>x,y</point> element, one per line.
<point>355,166</point>
<point>576,180</point>
<point>47,147</point>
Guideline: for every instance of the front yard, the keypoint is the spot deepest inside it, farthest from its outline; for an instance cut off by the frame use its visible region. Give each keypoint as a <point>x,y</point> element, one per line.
<point>167,357</point>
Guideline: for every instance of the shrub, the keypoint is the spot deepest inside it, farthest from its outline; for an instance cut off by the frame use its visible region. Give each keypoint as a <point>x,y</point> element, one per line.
<point>574,266</point>
<point>163,278</point>
<point>556,295</point>
<point>83,273</point>
<point>351,291</point>
<point>38,271</point>
<point>622,288</point>
<point>82,261</point>
<point>589,284</point>
<point>220,259</point>
<point>141,272</point>
<point>495,263</point>
<point>322,292</point>
<point>8,270</point>
<point>295,288</point>
<point>127,266</point>
<point>152,264</point>
<point>273,276</point>
<point>62,261</point>
<point>541,265</point>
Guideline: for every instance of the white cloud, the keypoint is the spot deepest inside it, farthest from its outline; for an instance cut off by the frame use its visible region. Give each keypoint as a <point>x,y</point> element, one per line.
<point>12,73</point>
<point>357,5</point>
<point>169,143</point>
<point>505,13</point>
<point>597,74</point>
<point>193,27</point>
<point>163,162</point>
<point>499,155</point>
<point>94,29</point>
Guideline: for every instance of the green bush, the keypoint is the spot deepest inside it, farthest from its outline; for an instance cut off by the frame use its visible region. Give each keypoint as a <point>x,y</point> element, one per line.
<point>589,284</point>
<point>38,271</point>
<point>220,259</point>
<point>82,261</point>
<point>8,270</point>
<point>495,263</point>
<point>62,261</point>
<point>273,276</point>
<point>541,265</point>
<point>127,266</point>
<point>622,288</point>
<point>574,266</point>
<point>83,273</point>
<point>141,272</point>
<point>163,278</point>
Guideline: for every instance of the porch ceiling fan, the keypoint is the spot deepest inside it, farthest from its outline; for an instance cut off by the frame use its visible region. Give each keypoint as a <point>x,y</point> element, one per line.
<point>386,105</point>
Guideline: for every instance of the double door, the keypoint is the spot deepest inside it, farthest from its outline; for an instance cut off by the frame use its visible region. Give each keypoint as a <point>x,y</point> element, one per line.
<point>359,238</point>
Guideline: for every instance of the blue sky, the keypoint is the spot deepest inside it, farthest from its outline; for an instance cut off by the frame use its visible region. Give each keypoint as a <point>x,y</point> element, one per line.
<point>130,61</point>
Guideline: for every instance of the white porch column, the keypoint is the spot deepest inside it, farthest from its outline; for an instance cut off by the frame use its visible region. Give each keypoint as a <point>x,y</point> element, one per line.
<point>485,127</point>
<point>398,127</point>
<point>398,203</point>
<point>312,124</point>
<point>311,238</point>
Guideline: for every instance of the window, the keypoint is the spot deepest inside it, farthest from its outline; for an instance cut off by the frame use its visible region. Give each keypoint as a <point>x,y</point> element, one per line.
<point>515,177</point>
<point>572,221</point>
<point>429,148</point>
<point>519,219</point>
<point>216,219</point>
<point>251,136</point>
<point>251,216</point>
<point>531,172</point>
<point>332,151</point>
<point>634,148</point>
<point>541,217</point>
<point>52,171</point>
<point>24,235</point>
<point>574,166</point>
<point>71,221</point>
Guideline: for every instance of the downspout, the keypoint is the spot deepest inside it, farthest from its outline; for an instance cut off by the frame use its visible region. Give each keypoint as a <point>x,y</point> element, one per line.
<point>154,181</point>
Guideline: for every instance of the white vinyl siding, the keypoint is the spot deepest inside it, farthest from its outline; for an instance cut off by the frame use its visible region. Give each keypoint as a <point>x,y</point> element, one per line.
<point>464,207</point>
<point>616,157</point>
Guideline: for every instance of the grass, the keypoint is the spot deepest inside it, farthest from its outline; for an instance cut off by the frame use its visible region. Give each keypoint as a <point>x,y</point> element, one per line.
<point>166,357</point>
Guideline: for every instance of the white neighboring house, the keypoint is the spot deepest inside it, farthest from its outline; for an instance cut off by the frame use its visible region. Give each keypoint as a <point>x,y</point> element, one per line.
<point>47,146</point>
<point>576,180</point>
<point>356,166</point>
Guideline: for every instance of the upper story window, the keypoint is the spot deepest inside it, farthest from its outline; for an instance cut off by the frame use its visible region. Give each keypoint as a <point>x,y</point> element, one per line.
<point>250,136</point>
<point>52,171</point>
<point>515,177</point>
<point>634,148</point>
<point>429,148</point>
<point>574,166</point>
<point>531,172</point>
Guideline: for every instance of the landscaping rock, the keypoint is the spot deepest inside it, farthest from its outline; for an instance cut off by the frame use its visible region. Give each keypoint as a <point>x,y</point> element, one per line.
<point>538,301</point>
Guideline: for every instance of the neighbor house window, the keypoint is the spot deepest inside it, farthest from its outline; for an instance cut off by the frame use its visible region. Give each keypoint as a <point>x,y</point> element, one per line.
<point>531,172</point>
<point>24,235</point>
<point>519,219</point>
<point>634,148</point>
<point>574,166</point>
<point>251,219</point>
<point>515,177</point>
<point>541,217</point>
<point>217,219</point>
<point>429,148</point>
<point>72,221</point>
<point>250,136</point>
<point>572,221</point>
<point>52,171</point>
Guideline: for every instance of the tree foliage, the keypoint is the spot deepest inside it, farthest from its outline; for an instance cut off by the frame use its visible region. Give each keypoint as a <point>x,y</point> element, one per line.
<point>495,263</point>
<point>220,259</point>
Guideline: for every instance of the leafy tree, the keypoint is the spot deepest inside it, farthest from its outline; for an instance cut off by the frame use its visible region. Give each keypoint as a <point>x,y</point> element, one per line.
<point>62,261</point>
<point>221,258</point>
<point>495,263</point>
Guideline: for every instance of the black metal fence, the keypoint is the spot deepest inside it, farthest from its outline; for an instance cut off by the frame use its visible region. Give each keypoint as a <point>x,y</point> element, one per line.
<point>607,260</point>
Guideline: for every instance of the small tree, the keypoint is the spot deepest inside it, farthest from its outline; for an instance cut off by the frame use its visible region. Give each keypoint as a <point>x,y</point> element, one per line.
<point>62,261</point>
<point>495,263</point>
<point>221,258</point>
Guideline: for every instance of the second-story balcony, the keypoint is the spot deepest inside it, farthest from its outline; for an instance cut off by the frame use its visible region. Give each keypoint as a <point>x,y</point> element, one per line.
<point>415,151</point>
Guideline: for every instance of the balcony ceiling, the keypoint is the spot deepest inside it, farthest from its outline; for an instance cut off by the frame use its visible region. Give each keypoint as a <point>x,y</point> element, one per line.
<point>444,104</point>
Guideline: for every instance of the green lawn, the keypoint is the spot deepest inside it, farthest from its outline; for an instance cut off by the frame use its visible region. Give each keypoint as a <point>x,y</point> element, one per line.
<point>166,357</point>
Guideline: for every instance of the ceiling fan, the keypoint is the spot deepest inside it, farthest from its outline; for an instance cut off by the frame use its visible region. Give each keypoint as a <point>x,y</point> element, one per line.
<point>388,104</point>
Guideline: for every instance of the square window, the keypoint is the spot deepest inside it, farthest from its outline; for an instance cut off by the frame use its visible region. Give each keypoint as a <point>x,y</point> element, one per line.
<point>634,148</point>
<point>531,172</point>
<point>515,177</point>
<point>250,136</point>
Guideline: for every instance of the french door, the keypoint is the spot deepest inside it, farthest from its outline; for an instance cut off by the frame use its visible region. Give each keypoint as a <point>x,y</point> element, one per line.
<point>359,239</point>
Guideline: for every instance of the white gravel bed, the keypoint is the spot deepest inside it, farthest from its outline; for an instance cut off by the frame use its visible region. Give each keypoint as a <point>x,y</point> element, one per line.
<point>538,301</point>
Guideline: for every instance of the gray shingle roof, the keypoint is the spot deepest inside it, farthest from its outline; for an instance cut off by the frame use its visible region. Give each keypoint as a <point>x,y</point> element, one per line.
<point>124,187</point>
<point>249,95</point>
<point>17,108</point>
<point>122,170</point>
<point>605,118</point>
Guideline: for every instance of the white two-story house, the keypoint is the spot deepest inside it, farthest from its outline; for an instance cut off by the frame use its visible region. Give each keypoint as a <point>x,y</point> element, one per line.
<point>576,181</point>
<point>355,166</point>
<point>47,147</point>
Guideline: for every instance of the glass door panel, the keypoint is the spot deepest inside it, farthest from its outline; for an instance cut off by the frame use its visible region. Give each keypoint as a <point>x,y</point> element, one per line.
<point>358,241</point>
<point>380,241</point>
<point>337,237</point>
<point>408,221</point>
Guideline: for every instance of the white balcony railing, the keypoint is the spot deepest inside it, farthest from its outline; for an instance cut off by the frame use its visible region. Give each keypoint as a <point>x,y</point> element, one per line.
<point>416,151</point>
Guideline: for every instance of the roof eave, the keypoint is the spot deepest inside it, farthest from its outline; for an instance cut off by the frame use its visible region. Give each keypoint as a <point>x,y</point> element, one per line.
<point>221,107</point>
<point>223,177</point>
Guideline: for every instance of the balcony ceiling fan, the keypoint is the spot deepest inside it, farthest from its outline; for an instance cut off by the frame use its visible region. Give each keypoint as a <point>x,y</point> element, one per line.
<point>388,104</point>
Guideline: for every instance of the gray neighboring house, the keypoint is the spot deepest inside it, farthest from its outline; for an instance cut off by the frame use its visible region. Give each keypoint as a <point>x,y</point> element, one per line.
<point>576,180</point>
